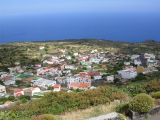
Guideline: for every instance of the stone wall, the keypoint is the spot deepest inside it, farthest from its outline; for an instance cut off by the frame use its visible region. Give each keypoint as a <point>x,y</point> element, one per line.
<point>135,115</point>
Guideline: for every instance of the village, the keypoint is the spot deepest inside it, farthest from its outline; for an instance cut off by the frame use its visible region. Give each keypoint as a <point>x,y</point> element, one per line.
<point>74,71</point>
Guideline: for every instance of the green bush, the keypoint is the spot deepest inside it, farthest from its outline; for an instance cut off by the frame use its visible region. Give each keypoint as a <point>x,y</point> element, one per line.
<point>121,116</point>
<point>141,103</point>
<point>24,100</point>
<point>59,102</point>
<point>156,95</point>
<point>122,108</point>
<point>3,99</point>
<point>11,98</point>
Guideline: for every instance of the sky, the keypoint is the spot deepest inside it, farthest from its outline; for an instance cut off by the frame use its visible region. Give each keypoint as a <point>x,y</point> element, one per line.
<point>33,7</point>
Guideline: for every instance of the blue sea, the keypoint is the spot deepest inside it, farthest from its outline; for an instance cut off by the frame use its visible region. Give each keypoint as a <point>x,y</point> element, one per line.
<point>128,27</point>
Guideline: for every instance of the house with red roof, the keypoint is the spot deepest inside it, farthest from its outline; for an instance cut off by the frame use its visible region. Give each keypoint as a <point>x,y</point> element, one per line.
<point>62,50</point>
<point>62,65</point>
<point>137,62</point>
<point>37,65</point>
<point>61,80</point>
<point>110,78</point>
<point>48,70</point>
<point>18,93</point>
<point>83,86</point>
<point>3,75</point>
<point>130,67</point>
<point>82,77</point>
<point>41,47</point>
<point>30,91</point>
<point>57,88</point>
<point>146,55</point>
<point>96,75</point>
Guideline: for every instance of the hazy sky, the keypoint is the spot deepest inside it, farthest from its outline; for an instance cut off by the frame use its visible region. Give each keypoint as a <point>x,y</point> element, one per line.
<point>32,7</point>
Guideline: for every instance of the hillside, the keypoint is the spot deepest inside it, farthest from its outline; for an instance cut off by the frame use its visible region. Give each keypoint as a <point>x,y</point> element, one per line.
<point>28,52</point>
<point>100,92</point>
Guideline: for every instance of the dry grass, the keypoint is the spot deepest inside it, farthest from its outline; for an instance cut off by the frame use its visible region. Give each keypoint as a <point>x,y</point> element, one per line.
<point>90,112</point>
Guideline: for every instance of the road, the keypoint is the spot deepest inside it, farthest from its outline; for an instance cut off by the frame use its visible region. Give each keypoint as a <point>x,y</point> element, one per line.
<point>154,117</point>
<point>143,60</point>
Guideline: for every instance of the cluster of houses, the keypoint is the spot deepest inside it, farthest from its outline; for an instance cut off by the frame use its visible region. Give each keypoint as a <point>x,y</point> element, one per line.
<point>61,75</point>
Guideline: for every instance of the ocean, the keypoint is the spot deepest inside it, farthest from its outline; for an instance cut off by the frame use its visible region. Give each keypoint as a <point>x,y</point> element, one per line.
<point>127,27</point>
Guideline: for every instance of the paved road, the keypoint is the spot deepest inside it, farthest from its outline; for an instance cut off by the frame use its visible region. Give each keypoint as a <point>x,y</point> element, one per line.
<point>143,60</point>
<point>154,117</point>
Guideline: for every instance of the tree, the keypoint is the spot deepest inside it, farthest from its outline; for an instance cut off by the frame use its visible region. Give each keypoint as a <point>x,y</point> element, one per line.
<point>11,98</point>
<point>116,80</point>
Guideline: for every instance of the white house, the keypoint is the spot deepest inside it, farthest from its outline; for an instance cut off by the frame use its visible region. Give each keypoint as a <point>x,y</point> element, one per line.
<point>127,74</point>
<point>3,74</point>
<point>79,78</point>
<point>105,60</point>
<point>17,63</point>
<point>54,57</point>
<point>18,93</point>
<point>14,69</point>
<point>75,54</point>
<point>150,60</point>
<point>51,61</point>
<point>71,79</point>
<point>9,82</point>
<point>68,57</point>
<point>57,88</point>
<point>130,67</point>
<point>61,80</point>
<point>134,57</point>
<point>97,77</point>
<point>2,89</point>
<point>62,50</point>
<point>30,91</point>
<point>152,69</point>
<point>72,67</point>
<point>48,70</point>
<point>95,60</point>
<point>44,83</point>
<point>83,86</point>
<point>94,51</point>
<point>41,47</point>
<point>126,63</point>
<point>110,78</point>
<point>66,71</point>
<point>137,62</point>
<point>146,55</point>
<point>38,65</point>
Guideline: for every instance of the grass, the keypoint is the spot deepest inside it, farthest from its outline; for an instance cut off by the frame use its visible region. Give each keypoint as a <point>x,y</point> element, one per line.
<point>90,112</point>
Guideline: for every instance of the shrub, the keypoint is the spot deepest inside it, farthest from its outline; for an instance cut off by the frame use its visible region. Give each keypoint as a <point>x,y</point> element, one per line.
<point>121,116</point>
<point>11,98</point>
<point>46,117</point>
<point>24,100</point>
<point>122,108</point>
<point>141,103</point>
<point>156,95</point>
<point>59,102</point>
<point>3,99</point>
<point>152,86</point>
